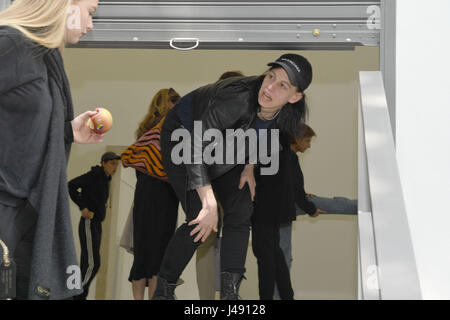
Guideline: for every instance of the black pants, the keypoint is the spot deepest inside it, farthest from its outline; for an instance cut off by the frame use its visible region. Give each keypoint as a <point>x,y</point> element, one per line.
<point>90,233</point>
<point>272,265</point>
<point>236,204</point>
<point>17,229</point>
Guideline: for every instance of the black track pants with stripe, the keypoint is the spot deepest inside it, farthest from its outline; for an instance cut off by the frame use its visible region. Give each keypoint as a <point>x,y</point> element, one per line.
<point>90,233</point>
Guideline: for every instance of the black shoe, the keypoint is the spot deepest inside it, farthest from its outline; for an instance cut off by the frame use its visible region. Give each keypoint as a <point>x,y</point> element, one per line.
<point>229,285</point>
<point>165,290</point>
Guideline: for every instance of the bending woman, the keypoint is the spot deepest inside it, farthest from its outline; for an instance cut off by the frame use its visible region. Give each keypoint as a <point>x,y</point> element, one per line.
<point>273,100</point>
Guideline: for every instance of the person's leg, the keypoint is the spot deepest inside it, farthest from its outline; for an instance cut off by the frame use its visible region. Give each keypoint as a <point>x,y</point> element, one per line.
<point>217,251</point>
<point>283,278</point>
<point>208,264</point>
<point>181,247</point>
<point>286,242</point>
<point>263,249</point>
<point>96,240</point>
<point>152,286</point>
<point>22,258</point>
<point>286,248</point>
<point>84,257</point>
<point>90,253</point>
<point>238,208</point>
<point>138,287</point>
<point>17,229</point>
<point>206,268</point>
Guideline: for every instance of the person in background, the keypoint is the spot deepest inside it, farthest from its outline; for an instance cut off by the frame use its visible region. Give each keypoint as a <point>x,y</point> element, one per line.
<point>38,128</point>
<point>155,209</point>
<point>335,205</point>
<point>276,197</point>
<point>90,192</point>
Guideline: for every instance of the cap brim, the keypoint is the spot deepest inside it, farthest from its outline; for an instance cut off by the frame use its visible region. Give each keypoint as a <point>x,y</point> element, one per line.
<point>288,70</point>
<point>111,158</point>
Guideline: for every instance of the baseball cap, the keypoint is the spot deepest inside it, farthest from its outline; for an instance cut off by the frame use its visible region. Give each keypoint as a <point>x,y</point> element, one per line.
<point>297,67</point>
<point>110,156</point>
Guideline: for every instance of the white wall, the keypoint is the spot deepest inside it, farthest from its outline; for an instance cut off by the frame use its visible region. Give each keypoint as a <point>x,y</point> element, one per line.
<point>423,135</point>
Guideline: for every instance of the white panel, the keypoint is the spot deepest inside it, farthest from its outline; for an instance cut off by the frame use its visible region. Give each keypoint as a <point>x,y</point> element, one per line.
<point>423,135</point>
<point>396,266</point>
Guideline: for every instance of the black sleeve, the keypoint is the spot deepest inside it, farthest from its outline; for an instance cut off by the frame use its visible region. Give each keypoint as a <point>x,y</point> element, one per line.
<point>299,190</point>
<point>77,183</point>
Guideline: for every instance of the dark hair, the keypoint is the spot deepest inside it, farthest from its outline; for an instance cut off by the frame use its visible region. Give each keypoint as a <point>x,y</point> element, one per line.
<point>292,118</point>
<point>230,74</point>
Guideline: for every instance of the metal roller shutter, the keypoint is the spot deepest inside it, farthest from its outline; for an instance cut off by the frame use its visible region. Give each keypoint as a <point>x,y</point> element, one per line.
<point>235,24</point>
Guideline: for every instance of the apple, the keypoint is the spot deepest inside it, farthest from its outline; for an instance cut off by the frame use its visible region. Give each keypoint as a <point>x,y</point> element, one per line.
<point>101,122</point>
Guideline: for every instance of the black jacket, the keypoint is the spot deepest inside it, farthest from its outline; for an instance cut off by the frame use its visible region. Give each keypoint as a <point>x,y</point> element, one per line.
<point>276,195</point>
<point>228,104</point>
<point>94,191</point>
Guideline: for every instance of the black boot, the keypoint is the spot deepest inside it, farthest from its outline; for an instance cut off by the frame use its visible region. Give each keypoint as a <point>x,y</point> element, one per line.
<point>229,285</point>
<point>165,290</point>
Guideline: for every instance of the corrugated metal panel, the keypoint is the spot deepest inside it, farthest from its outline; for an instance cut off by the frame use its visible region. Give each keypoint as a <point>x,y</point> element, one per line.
<point>236,24</point>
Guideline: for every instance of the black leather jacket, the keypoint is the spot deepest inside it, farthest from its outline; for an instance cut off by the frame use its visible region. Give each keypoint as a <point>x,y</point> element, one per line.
<point>228,104</point>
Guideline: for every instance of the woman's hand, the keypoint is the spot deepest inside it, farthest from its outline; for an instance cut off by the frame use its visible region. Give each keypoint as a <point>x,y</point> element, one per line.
<point>81,131</point>
<point>207,218</point>
<point>247,176</point>
<point>318,211</point>
<point>87,214</point>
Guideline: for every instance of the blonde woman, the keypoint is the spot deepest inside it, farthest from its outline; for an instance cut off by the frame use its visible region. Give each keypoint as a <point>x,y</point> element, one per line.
<point>155,209</point>
<point>37,130</point>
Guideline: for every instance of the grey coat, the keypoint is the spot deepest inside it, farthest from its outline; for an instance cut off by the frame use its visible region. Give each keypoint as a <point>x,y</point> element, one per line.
<point>36,135</point>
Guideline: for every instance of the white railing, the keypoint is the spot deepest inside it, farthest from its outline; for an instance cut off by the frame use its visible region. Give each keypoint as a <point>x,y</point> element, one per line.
<point>387,266</point>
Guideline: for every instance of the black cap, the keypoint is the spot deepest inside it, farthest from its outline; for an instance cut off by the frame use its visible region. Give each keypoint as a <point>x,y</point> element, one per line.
<point>298,69</point>
<point>110,156</point>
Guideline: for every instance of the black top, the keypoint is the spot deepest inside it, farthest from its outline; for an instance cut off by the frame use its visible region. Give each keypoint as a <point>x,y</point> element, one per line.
<point>228,104</point>
<point>94,192</point>
<point>276,195</point>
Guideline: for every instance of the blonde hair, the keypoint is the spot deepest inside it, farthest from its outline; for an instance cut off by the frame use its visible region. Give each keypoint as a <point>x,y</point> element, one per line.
<point>42,21</point>
<point>158,109</point>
